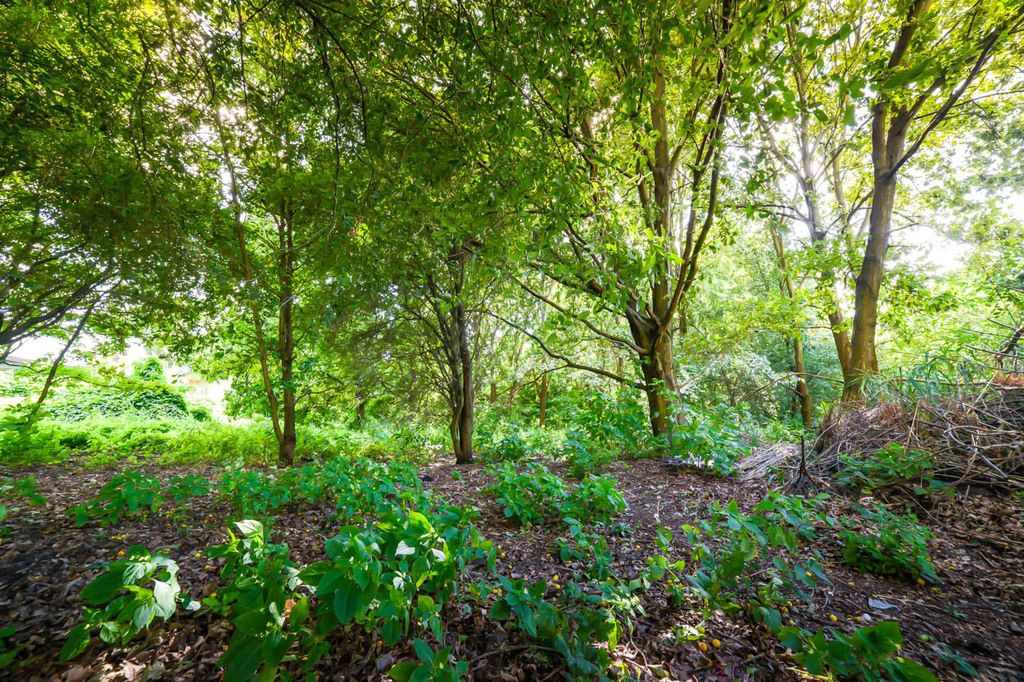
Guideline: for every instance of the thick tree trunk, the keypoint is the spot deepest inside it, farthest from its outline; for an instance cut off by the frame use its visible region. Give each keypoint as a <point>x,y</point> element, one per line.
<point>660,386</point>
<point>493,396</point>
<point>542,399</point>
<point>462,388</point>
<point>887,145</point>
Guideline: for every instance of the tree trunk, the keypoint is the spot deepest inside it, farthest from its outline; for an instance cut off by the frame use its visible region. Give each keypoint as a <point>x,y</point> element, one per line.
<point>542,399</point>
<point>360,410</point>
<point>803,391</point>
<point>57,363</point>
<point>465,453</point>
<point>493,397</point>
<point>286,344</point>
<point>887,144</point>
<point>660,386</point>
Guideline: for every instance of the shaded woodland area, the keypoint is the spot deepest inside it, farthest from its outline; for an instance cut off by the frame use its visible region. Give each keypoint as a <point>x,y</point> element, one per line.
<point>586,340</point>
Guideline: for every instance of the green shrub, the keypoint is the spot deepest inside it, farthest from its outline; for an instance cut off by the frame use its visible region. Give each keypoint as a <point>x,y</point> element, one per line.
<point>124,599</point>
<point>868,653</point>
<point>711,437</point>
<point>535,495</point>
<point>596,499</point>
<point>888,544</point>
<point>402,570</point>
<point>431,667</point>
<point>617,422</point>
<point>582,627</point>
<point>7,652</point>
<point>531,496</point>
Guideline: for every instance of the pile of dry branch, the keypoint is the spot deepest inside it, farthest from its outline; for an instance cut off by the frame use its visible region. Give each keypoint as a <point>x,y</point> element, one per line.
<point>975,437</point>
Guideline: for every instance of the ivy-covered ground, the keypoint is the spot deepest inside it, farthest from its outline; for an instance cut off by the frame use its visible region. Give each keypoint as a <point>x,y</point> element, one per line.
<point>600,593</point>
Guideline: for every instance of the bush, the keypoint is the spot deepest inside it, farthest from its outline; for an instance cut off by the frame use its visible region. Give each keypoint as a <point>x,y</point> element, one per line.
<point>532,496</point>
<point>753,562</point>
<point>596,499</point>
<point>711,437</point>
<point>261,598</point>
<point>890,544</point>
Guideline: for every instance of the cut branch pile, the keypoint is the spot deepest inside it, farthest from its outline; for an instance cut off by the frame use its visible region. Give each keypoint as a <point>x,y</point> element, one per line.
<point>974,438</point>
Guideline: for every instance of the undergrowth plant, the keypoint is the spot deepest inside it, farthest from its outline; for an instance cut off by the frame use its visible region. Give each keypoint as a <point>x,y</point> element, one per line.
<point>752,563</point>
<point>533,495</point>
<point>892,465</point>
<point>124,599</point>
<point>261,596</point>
<point>14,490</point>
<point>127,494</point>
<point>868,653</point>
<point>888,544</point>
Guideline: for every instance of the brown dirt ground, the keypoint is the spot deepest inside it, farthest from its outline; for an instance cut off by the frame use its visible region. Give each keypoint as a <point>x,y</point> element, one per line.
<point>977,610</point>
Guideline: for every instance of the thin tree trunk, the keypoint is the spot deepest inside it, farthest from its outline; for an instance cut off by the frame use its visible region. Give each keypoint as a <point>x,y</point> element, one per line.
<point>464,454</point>
<point>286,341</point>
<point>542,399</point>
<point>802,390</point>
<point>57,363</point>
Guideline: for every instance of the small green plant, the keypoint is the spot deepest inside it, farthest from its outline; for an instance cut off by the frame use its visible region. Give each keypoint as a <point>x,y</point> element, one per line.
<point>124,495</point>
<point>590,549</point>
<point>7,652</point>
<point>583,626</point>
<point>402,570</point>
<point>254,493</point>
<point>868,653</point>
<point>432,666</point>
<point>531,496</point>
<point>184,488</point>
<point>710,437</point>
<point>585,458</point>
<point>893,465</point>
<point>261,597</point>
<point>17,489</point>
<point>665,566</point>
<point>888,544</point>
<point>534,495</point>
<point>595,498</point>
<point>751,563</point>
<point>125,598</point>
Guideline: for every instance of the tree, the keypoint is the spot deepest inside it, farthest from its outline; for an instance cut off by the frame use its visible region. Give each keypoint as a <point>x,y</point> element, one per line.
<point>626,106</point>
<point>99,212</point>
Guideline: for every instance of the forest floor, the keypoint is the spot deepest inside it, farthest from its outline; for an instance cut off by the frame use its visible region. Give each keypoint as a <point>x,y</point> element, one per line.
<point>976,611</point>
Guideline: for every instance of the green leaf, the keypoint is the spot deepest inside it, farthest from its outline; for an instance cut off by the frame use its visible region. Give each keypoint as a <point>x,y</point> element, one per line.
<point>164,594</point>
<point>103,587</point>
<point>424,651</point>
<point>78,639</point>
<point>403,670</point>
